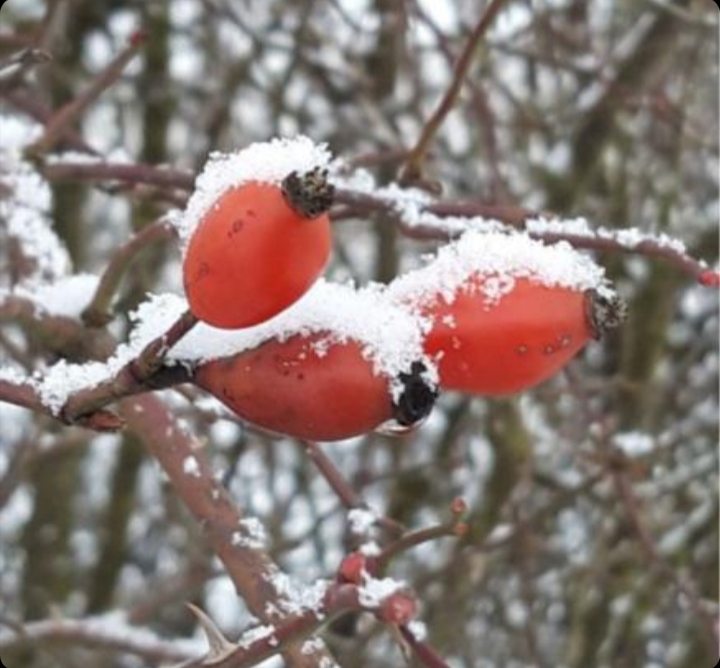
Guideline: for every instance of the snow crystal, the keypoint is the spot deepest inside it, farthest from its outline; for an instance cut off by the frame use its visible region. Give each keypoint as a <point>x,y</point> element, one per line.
<point>497,260</point>
<point>191,466</point>
<point>374,590</point>
<point>24,212</point>
<point>411,205</point>
<point>25,207</point>
<point>253,635</point>
<point>58,382</point>
<point>326,662</point>
<point>312,645</point>
<point>296,597</point>
<point>370,549</point>
<point>116,156</point>
<point>418,630</point>
<point>251,535</point>
<point>574,226</point>
<point>12,375</point>
<point>361,520</point>
<point>267,162</point>
<point>390,336</point>
<point>66,296</point>
<point>629,238</point>
<point>453,226</point>
<point>17,133</point>
<point>62,379</point>
<point>634,443</point>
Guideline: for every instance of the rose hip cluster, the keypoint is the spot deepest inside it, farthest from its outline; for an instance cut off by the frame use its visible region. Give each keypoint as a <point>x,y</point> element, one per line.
<point>261,246</point>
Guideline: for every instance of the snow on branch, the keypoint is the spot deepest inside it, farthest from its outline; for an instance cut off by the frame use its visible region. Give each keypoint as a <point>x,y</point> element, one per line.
<point>419,214</point>
<point>110,632</point>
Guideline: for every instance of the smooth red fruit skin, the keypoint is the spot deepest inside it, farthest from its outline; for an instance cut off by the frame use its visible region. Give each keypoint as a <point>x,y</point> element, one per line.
<point>508,346</point>
<point>251,256</point>
<point>353,568</point>
<point>288,388</point>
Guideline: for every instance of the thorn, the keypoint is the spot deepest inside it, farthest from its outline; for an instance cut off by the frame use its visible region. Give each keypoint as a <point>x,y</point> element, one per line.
<point>219,646</point>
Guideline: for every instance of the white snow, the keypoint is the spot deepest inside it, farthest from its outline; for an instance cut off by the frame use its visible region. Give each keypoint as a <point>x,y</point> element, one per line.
<point>629,238</point>
<point>495,261</point>
<point>418,629</point>
<point>312,645</point>
<point>25,214</point>
<point>191,466</point>
<point>253,635</point>
<point>295,597</point>
<point>361,520</point>
<point>251,534</point>
<point>634,443</point>
<point>116,156</point>
<point>25,201</point>
<point>452,226</point>
<point>12,375</point>
<point>66,296</point>
<point>374,591</point>
<point>370,549</point>
<point>59,381</point>
<point>266,162</point>
<point>390,336</point>
<point>112,628</point>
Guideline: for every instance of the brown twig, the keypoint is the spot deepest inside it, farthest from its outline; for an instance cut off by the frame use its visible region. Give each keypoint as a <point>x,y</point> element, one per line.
<point>67,115</point>
<point>13,68</point>
<point>349,498</point>
<point>424,652</point>
<point>151,357</point>
<point>135,174</point>
<point>607,241</point>
<point>339,599</point>
<point>97,312</point>
<point>352,203</point>
<point>413,167</point>
<point>135,377</point>
<point>696,269</point>
<point>249,567</point>
<point>23,100</point>
<point>415,538</point>
<point>339,485</point>
<point>98,634</point>
<point>25,395</point>
<point>86,406</point>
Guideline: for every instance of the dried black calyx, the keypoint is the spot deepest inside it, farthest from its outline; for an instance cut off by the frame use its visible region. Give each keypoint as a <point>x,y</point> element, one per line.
<point>417,397</point>
<point>604,312</point>
<point>310,194</point>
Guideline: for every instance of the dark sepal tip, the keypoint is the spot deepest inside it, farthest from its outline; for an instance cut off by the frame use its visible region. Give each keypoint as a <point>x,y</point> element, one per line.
<point>604,313</point>
<point>417,397</point>
<point>309,194</point>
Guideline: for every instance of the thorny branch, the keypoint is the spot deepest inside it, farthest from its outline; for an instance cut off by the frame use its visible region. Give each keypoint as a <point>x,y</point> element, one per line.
<point>146,415</point>
<point>351,203</point>
<point>207,499</point>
